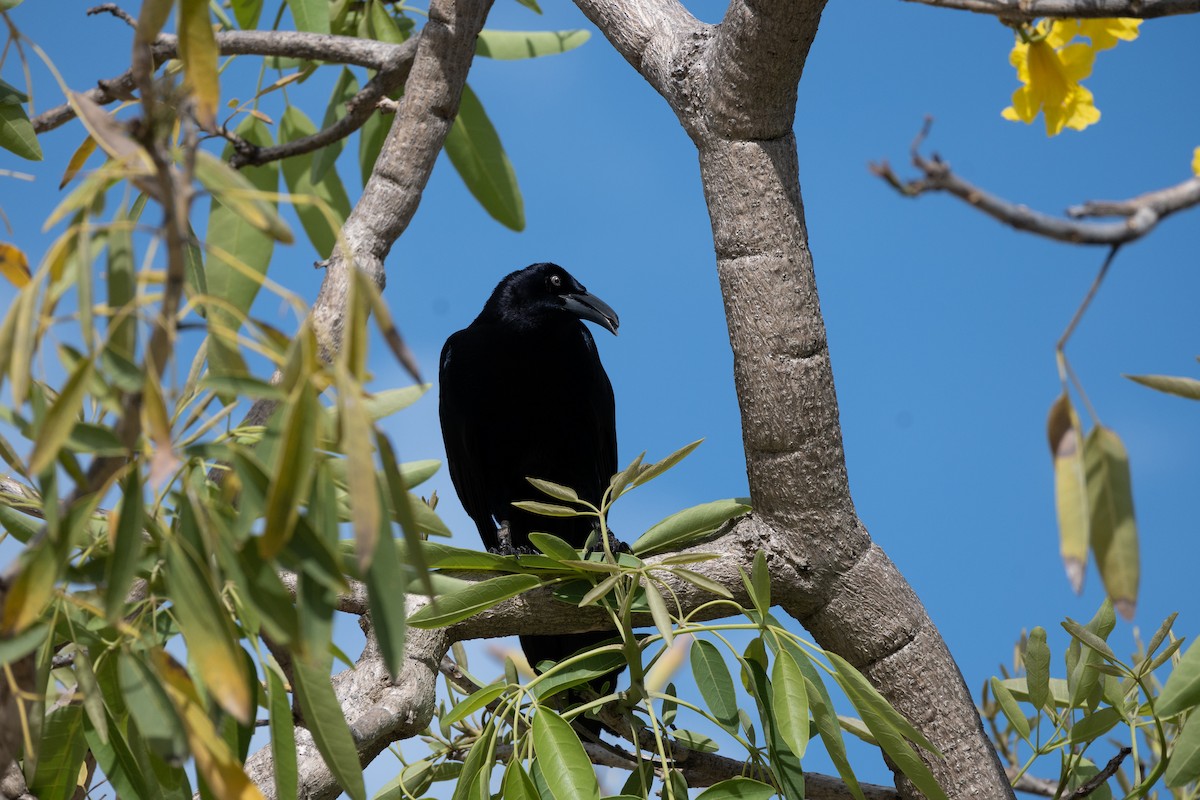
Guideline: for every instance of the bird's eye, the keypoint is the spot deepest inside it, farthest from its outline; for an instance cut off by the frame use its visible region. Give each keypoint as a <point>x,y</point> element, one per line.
<point>555,282</point>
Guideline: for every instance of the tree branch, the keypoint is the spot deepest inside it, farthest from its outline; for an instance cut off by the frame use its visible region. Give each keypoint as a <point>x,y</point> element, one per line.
<point>1142,214</point>
<point>358,110</point>
<point>646,32</point>
<point>1026,10</point>
<point>755,63</point>
<point>287,44</point>
<point>842,588</point>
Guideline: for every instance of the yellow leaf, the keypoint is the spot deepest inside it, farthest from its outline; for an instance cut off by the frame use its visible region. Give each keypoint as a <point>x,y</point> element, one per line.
<point>1070,488</point>
<point>1196,161</point>
<point>31,591</point>
<point>198,52</point>
<point>151,19</point>
<point>78,159</point>
<point>14,265</point>
<point>219,767</point>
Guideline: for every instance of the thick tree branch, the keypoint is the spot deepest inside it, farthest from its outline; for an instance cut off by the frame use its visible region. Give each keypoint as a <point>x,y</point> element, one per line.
<point>1026,10</point>
<point>754,66</point>
<point>843,589</point>
<point>286,44</point>
<point>646,33</point>
<point>1142,214</point>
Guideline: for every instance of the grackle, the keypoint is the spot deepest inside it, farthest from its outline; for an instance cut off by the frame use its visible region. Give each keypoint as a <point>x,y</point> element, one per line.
<point>523,394</point>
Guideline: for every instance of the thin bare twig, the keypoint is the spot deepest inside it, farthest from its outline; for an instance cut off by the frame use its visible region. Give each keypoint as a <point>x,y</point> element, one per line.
<point>1026,10</point>
<point>116,11</point>
<point>289,44</point>
<point>358,110</point>
<point>1141,213</point>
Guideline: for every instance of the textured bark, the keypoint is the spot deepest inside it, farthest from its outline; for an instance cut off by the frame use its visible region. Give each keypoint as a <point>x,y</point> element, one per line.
<point>734,90</point>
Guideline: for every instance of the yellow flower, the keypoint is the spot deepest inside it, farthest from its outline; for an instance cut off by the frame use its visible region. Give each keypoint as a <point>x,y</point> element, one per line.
<point>1104,33</point>
<point>1050,65</point>
<point>1196,162</point>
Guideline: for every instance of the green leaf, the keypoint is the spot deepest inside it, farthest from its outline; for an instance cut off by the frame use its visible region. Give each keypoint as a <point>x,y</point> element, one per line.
<point>888,727</point>
<point>472,703</point>
<point>597,664</point>
<point>553,546</point>
<point>652,471</point>
<point>14,648</point>
<point>239,248</point>
<point>475,151</point>
<point>458,605</point>
<point>738,789</point>
<point>477,767</point>
<point>343,90</point>
<point>60,419</point>
<point>127,546</point>
<point>691,523</point>
<point>1182,387</point>
<point>122,291</point>
<point>60,754</point>
<point>414,554</point>
<point>151,708</point>
<point>760,583</point>
<point>9,94</point>
<point>547,509</point>
<point>513,45</point>
<point>790,702</point>
<point>1037,667</point>
<point>1070,488</point>
<point>658,610</point>
<point>1184,766</point>
<point>555,490</point>
<point>517,784</point>
<point>322,218</point>
<point>1114,532</point>
<point>16,133</point>
<point>1011,709</point>
<point>310,15</point>
<point>564,763</point>
<point>703,582</point>
<point>283,736</point>
<point>1088,639</point>
<point>116,760</point>
<point>89,687</point>
<point>1094,725</point>
<point>208,633</point>
<point>1182,691</point>
<point>363,489</point>
<point>387,581</point>
<point>715,683</point>
<point>328,726</point>
<point>246,13</point>
<point>695,741</point>
<point>292,472</point>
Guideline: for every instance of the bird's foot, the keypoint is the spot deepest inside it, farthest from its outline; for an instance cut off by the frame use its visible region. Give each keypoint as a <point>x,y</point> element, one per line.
<point>615,545</point>
<point>513,550</point>
<point>506,546</point>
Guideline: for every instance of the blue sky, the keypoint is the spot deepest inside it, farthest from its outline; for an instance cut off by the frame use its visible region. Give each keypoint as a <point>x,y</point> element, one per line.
<point>941,322</point>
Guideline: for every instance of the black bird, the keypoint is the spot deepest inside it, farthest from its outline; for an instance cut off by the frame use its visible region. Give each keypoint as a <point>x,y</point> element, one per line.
<point>524,395</point>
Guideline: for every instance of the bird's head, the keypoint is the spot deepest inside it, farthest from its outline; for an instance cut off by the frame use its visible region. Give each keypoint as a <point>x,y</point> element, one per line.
<point>541,292</point>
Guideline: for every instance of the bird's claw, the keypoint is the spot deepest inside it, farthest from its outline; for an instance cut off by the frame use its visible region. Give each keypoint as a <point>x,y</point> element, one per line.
<point>615,545</point>
<point>513,550</point>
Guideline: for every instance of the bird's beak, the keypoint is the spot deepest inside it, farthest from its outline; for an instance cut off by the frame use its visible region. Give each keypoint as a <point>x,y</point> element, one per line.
<point>588,306</point>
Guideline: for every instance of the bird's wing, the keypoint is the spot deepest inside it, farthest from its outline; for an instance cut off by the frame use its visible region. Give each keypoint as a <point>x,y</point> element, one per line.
<point>462,435</point>
<point>603,413</point>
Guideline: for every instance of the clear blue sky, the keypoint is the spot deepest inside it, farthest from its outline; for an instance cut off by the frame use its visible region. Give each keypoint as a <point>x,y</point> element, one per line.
<point>941,322</point>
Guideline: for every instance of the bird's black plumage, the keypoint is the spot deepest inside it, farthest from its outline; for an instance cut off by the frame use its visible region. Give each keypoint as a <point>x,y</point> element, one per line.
<point>523,394</point>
